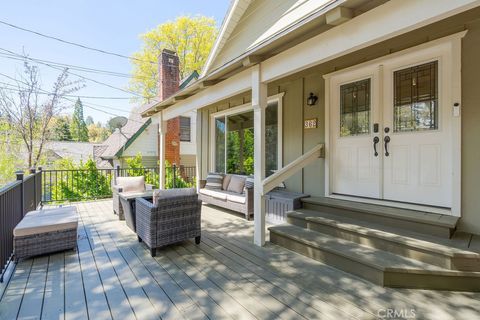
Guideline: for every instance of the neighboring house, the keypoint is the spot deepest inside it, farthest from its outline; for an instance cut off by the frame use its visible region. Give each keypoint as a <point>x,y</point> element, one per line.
<point>140,135</point>
<point>75,151</point>
<point>395,122</point>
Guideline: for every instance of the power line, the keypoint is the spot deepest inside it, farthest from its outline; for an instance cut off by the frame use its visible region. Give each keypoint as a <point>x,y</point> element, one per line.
<point>14,56</point>
<point>77,75</point>
<point>73,43</point>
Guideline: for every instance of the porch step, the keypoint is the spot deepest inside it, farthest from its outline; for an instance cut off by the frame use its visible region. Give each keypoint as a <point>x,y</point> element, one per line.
<point>406,219</point>
<point>431,250</point>
<point>378,266</point>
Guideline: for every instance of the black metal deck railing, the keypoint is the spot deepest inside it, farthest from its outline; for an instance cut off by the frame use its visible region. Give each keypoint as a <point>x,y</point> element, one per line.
<point>16,199</point>
<point>85,184</point>
<point>28,192</point>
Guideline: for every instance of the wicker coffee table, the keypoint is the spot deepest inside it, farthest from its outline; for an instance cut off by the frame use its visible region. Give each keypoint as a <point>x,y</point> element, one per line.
<point>127,201</point>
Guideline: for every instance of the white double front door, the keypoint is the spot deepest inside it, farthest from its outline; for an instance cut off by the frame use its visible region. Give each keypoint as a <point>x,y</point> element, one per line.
<point>391,129</point>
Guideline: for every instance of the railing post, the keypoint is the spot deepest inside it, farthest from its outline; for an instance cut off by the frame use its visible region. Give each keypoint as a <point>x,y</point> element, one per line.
<point>22,202</point>
<point>174,170</point>
<point>40,183</point>
<point>33,171</point>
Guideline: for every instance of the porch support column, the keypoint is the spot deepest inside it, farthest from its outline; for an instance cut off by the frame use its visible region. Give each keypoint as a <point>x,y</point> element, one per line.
<point>162,131</point>
<point>259,103</point>
<point>199,146</point>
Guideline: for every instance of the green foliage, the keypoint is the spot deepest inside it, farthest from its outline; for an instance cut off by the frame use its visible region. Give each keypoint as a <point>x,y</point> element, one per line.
<point>84,181</point>
<point>136,168</point>
<point>78,127</point>
<point>97,133</point>
<point>190,37</point>
<point>61,129</point>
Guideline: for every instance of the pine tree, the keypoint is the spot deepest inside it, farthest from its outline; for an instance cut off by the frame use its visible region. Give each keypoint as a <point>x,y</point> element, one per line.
<point>61,129</point>
<point>78,127</point>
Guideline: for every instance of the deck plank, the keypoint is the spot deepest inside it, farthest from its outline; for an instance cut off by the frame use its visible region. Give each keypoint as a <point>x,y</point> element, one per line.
<point>32,302</point>
<point>13,295</point>
<point>226,276</point>
<point>54,302</point>
<point>97,304</point>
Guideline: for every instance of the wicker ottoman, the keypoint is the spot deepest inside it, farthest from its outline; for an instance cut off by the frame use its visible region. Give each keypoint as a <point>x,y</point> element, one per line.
<point>45,231</point>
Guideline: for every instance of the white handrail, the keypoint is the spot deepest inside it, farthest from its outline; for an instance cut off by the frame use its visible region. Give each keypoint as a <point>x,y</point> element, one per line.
<point>293,167</point>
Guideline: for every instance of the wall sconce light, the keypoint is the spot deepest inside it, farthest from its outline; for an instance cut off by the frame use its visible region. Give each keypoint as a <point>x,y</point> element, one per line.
<point>312,99</point>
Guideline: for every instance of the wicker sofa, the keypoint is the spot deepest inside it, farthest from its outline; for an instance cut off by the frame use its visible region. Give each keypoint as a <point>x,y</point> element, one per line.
<point>126,184</point>
<point>240,200</point>
<point>175,216</point>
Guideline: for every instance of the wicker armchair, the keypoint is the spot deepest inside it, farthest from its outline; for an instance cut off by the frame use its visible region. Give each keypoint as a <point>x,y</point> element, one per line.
<point>173,218</point>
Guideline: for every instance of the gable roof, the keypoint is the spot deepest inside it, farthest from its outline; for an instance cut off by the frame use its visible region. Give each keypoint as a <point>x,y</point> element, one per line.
<point>186,81</point>
<point>117,141</point>
<point>291,22</point>
<point>251,23</point>
<point>234,14</point>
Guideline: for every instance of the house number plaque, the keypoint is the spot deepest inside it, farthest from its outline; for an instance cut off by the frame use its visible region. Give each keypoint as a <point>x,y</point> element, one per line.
<point>310,123</point>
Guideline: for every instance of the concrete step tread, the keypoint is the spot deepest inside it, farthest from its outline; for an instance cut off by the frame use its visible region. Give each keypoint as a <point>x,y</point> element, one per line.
<point>382,232</point>
<point>392,212</point>
<point>378,259</point>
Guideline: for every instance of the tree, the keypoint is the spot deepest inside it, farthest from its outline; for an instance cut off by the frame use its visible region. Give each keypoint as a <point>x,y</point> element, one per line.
<point>190,37</point>
<point>97,133</point>
<point>29,109</point>
<point>61,129</point>
<point>78,127</point>
<point>89,120</point>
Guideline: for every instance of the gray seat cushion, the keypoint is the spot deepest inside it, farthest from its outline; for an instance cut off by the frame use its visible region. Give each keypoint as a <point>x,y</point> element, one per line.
<point>129,184</point>
<point>171,193</point>
<point>217,194</point>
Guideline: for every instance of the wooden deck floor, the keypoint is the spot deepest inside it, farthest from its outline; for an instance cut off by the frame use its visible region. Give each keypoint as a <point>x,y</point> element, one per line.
<point>112,276</point>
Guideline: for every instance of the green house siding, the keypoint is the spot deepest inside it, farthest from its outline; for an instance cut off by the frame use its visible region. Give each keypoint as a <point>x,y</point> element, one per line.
<point>297,87</point>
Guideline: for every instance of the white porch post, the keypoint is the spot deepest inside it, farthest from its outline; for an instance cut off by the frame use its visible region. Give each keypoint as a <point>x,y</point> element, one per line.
<point>162,130</point>
<point>259,103</point>
<point>198,145</point>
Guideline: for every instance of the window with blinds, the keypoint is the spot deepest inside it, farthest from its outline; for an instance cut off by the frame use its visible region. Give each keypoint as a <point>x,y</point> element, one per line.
<point>185,132</point>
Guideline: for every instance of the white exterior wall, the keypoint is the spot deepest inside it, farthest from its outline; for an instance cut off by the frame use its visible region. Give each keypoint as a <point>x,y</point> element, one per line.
<point>146,143</point>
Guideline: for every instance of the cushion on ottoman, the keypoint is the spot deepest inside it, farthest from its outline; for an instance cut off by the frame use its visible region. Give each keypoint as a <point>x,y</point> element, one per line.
<point>42,223</point>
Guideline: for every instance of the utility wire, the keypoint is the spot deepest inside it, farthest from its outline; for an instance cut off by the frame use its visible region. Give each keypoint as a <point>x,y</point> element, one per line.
<point>88,105</point>
<point>78,75</point>
<point>14,56</point>
<point>73,43</point>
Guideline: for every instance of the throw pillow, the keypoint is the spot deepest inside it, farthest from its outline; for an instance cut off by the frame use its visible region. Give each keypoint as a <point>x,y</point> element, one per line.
<point>236,184</point>
<point>214,181</point>
<point>249,182</point>
<point>226,181</point>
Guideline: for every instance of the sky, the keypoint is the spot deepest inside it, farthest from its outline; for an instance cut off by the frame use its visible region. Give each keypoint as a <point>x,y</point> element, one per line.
<point>104,24</point>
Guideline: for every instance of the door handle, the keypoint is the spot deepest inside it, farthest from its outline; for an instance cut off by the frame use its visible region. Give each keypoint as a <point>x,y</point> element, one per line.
<point>386,140</point>
<point>375,141</point>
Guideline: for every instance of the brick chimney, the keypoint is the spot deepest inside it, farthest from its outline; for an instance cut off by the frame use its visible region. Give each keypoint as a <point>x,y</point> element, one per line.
<point>168,84</point>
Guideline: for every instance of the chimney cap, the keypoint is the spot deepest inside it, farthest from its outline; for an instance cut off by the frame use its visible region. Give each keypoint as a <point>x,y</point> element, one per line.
<point>167,51</point>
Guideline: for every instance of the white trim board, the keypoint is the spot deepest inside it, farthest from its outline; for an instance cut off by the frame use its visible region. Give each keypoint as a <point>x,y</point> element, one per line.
<point>278,98</point>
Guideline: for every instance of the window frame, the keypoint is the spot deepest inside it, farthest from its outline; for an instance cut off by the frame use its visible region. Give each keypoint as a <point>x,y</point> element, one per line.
<point>278,98</point>
<point>189,129</point>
